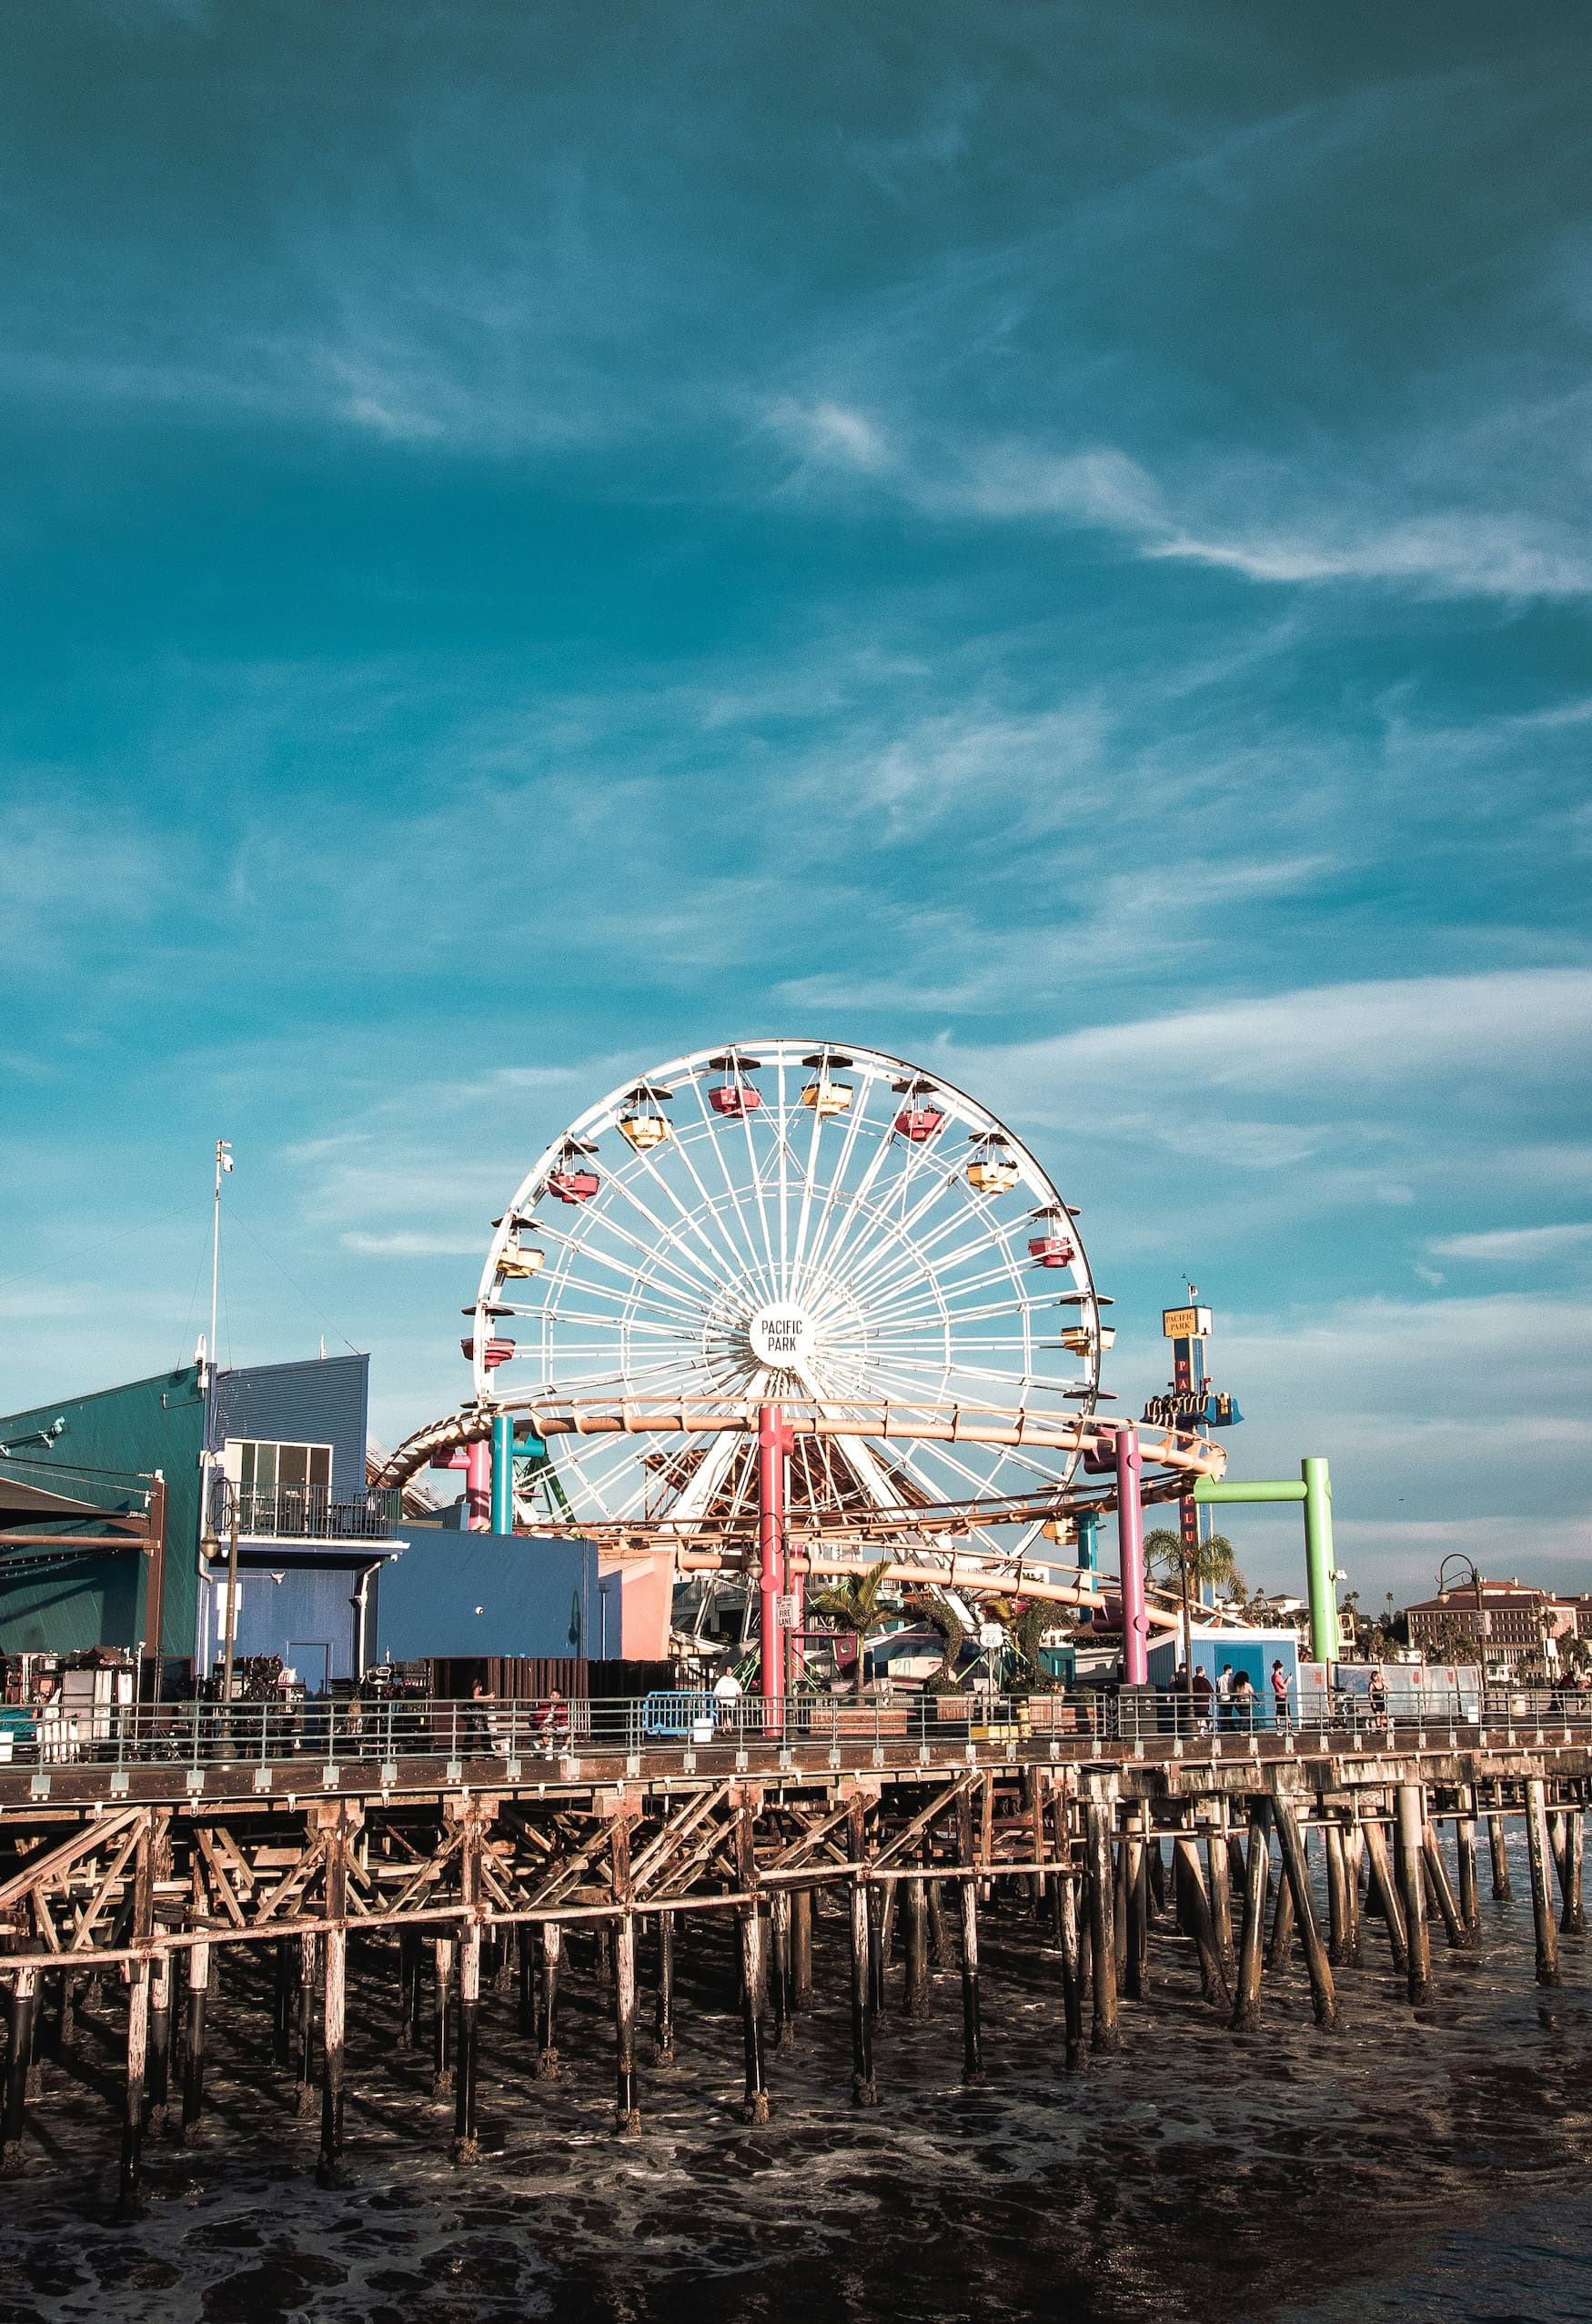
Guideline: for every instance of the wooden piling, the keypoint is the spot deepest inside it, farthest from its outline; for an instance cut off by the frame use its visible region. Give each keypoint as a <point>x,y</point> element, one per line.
<point>1281,1935</point>
<point>777,1969</point>
<point>755,2103</point>
<point>972,2048</point>
<point>664,2000</point>
<point>915,1984</point>
<point>1454,1927</point>
<point>466,2142</point>
<point>1137,1984</point>
<point>552,1953</point>
<point>1573,1918</point>
<point>159,2067</point>
<point>283,1989</point>
<point>1194,1918</point>
<point>1385,1888</point>
<point>1503,1893</point>
<point>626,2090</point>
<point>141,1927</point>
<point>1322,1992</point>
<point>1337,1897</point>
<point>864,2089</point>
<point>22,2013</point>
<point>1246,2002</point>
<point>441,2030</point>
<point>408,1977</point>
<point>1101,1877</point>
<point>1464,1860</point>
<point>304,2097</point>
<point>328,2169</point>
<point>801,1901</point>
<point>1219,1870</point>
<point>1547,1942</point>
<point>130,2187</point>
<point>1411,1812</point>
<point>198,1968</point>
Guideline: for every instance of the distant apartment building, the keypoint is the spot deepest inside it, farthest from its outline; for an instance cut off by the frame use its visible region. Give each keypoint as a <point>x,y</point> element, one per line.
<point>1511,1622</point>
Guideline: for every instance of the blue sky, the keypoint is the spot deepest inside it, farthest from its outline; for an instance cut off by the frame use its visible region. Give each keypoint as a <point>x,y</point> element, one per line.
<point>1051,539</point>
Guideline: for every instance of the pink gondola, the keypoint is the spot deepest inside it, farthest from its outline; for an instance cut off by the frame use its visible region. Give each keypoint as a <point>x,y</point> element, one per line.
<point>573,1185</point>
<point>496,1352</point>
<point>1050,1251</point>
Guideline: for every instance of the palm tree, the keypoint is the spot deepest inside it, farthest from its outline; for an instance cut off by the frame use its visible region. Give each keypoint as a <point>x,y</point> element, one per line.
<point>941,1615</point>
<point>854,1605</point>
<point>1212,1566</point>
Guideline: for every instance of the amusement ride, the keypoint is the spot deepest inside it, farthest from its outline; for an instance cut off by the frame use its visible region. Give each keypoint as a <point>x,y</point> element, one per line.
<point>785,1310</point>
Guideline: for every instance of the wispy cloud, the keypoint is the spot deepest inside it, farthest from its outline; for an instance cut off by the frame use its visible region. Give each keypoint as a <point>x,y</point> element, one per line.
<point>1513,1245</point>
<point>403,1244</point>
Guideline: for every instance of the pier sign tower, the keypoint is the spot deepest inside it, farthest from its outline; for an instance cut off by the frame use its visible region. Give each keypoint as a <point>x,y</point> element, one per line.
<point>1191,1400</point>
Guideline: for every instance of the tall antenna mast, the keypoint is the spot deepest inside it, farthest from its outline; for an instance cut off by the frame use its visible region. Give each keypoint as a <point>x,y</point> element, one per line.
<point>223,1162</point>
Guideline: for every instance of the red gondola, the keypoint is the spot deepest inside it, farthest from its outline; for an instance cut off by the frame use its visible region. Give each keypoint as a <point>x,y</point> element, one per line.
<point>734,1096</point>
<point>574,1181</point>
<point>918,1120</point>
<point>495,1352</point>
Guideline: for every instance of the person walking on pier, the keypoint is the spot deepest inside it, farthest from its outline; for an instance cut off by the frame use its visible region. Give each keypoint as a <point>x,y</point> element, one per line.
<point>1243,1700</point>
<point>1205,1694</point>
<point>1282,1709</point>
<point>1224,1698</point>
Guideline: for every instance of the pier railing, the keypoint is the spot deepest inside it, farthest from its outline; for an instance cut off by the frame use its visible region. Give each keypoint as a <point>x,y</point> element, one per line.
<point>206,1734</point>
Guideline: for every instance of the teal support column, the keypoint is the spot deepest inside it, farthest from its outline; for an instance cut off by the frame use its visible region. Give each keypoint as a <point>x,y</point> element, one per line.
<point>1318,1560</point>
<point>502,1473</point>
<point>1089,1541</point>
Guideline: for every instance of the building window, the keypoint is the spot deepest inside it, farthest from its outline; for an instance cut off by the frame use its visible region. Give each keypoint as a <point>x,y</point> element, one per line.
<point>283,1488</point>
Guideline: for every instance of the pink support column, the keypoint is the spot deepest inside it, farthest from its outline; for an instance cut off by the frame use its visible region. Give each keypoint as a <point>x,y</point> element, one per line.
<point>1130,1535</point>
<point>772,1441</point>
<point>477,1485</point>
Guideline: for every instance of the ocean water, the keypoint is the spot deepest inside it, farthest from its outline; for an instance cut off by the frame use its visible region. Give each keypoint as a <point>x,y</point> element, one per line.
<point>1415,2167</point>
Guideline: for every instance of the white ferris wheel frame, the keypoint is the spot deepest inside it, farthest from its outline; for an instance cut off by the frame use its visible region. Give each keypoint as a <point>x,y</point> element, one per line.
<point>882,1258</point>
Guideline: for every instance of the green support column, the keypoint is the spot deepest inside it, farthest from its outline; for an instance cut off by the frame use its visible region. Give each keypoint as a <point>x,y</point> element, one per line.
<point>503,1472</point>
<point>1318,1560</point>
<point>1314,1489</point>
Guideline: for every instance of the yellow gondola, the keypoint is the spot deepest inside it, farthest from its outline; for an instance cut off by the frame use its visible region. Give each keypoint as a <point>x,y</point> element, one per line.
<point>824,1096</point>
<point>643,1125</point>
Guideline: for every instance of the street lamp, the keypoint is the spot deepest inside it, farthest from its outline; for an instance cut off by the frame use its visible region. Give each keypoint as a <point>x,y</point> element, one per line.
<point>1484,1621</point>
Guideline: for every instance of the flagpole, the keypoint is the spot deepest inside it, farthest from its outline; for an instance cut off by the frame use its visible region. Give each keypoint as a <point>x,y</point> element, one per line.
<point>223,1161</point>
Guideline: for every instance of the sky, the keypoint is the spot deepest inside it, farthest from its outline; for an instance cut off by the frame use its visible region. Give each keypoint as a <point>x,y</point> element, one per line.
<point>1048,539</point>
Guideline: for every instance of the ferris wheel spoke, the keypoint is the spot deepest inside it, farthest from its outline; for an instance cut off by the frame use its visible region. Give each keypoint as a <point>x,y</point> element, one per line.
<point>846,1203</point>
<point>717,1145</point>
<point>879,1278</point>
<point>709,1261</point>
<point>857,1114</point>
<point>746,1259</point>
<point>688,1221</point>
<point>606,1224</point>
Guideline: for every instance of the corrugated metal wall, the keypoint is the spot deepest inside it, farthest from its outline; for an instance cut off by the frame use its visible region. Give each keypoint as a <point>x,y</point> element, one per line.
<point>309,1608</point>
<point>322,1402</point>
<point>452,1594</point>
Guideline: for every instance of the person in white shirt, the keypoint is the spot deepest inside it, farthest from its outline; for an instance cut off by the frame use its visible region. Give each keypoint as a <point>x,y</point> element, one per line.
<point>726,1695</point>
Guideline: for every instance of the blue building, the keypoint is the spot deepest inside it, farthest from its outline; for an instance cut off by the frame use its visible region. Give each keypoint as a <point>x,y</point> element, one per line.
<point>119,1509</point>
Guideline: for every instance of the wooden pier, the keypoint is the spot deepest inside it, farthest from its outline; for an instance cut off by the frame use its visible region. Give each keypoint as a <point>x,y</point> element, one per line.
<point>148,1872</point>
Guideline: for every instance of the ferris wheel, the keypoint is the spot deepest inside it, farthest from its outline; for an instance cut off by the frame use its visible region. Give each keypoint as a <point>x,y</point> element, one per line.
<point>784,1223</point>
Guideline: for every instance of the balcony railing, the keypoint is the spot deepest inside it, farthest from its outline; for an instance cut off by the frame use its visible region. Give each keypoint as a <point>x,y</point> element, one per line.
<point>302,1512</point>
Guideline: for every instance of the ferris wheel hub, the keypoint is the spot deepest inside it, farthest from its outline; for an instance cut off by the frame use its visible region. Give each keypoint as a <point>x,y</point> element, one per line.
<point>782,1336</point>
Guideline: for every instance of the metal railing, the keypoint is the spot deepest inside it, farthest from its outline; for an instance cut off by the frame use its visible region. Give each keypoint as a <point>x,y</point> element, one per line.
<point>338,1732</point>
<point>302,1512</point>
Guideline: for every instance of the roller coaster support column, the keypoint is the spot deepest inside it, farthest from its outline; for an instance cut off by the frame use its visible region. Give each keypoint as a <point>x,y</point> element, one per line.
<point>1314,1489</point>
<point>1089,1541</point>
<point>477,1485</point>
<point>502,1473</point>
<point>1130,1535</point>
<point>773,1444</point>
